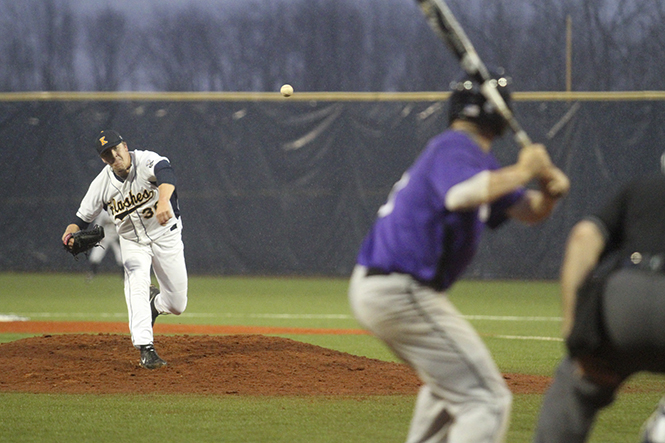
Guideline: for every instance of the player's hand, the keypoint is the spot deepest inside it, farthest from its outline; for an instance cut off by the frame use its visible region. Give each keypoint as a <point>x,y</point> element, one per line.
<point>554,183</point>
<point>67,239</point>
<point>163,214</point>
<point>534,160</point>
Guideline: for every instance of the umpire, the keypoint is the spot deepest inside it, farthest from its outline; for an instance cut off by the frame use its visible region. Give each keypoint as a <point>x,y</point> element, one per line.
<point>613,298</point>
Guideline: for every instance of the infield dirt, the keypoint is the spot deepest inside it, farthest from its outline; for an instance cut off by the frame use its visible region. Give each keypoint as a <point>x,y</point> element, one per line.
<point>239,364</point>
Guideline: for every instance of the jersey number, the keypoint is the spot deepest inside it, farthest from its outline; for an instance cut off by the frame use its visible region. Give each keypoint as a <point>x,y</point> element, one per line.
<point>388,206</point>
<point>149,212</point>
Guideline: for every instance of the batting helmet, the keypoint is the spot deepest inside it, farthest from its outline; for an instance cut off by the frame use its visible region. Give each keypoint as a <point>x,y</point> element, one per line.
<point>467,103</point>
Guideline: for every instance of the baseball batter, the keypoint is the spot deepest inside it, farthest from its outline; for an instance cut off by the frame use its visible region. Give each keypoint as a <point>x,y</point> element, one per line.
<point>423,239</point>
<point>138,191</point>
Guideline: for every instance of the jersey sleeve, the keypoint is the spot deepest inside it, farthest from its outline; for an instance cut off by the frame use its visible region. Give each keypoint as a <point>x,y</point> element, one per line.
<point>164,173</point>
<point>451,168</point>
<point>459,165</point>
<point>92,202</point>
<point>149,160</point>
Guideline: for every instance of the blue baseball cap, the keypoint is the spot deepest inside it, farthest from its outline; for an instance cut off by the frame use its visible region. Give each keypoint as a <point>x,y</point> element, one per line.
<point>106,140</point>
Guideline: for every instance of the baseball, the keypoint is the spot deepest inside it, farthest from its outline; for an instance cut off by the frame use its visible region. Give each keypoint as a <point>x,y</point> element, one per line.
<point>286,90</point>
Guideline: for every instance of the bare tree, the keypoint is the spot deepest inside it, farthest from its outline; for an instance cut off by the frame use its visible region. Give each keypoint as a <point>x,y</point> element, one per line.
<point>56,29</point>
<point>647,53</point>
<point>612,34</point>
<point>107,42</point>
<point>18,70</point>
<point>322,45</point>
<point>39,45</point>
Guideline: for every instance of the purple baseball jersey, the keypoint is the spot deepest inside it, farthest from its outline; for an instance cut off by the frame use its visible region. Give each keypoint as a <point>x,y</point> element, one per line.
<point>415,234</point>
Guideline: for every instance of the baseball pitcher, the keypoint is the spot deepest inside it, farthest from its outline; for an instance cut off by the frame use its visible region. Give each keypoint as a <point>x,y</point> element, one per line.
<point>138,191</point>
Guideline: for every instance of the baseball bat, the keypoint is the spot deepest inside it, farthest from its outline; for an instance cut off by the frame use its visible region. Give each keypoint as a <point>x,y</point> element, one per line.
<point>442,21</point>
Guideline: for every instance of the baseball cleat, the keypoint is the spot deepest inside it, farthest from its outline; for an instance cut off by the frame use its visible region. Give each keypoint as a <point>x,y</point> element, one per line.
<point>150,359</point>
<point>153,293</point>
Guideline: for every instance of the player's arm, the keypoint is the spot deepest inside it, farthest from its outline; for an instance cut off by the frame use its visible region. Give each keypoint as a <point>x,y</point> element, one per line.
<point>90,207</point>
<point>488,186</point>
<point>76,226</point>
<point>584,247</point>
<point>537,205</point>
<point>163,212</point>
<point>166,186</point>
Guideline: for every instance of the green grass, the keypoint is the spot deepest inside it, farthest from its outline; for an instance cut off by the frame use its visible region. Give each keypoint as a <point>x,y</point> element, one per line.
<point>5,338</point>
<point>294,302</point>
<point>112,418</point>
<point>228,301</point>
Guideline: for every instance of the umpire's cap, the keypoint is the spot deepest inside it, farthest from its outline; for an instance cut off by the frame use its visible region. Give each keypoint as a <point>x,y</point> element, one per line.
<point>106,140</point>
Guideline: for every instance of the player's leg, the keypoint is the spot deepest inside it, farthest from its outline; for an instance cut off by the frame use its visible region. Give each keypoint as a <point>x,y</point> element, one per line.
<point>95,258</point>
<point>570,406</point>
<point>137,261</point>
<point>112,239</point>
<point>465,398</point>
<point>117,253</point>
<point>458,369</point>
<point>171,272</point>
<point>98,253</point>
<point>633,312</point>
<point>379,304</point>
<point>431,419</point>
<point>375,304</point>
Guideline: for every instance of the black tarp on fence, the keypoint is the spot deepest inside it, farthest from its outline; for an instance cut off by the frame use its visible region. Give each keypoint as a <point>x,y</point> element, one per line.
<point>291,187</point>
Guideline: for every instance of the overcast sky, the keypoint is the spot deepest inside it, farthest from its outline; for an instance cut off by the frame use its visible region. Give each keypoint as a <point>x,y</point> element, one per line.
<point>141,8</point>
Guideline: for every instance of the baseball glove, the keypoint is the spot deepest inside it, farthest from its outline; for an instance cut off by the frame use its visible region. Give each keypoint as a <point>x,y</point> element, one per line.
<point>84,240</point>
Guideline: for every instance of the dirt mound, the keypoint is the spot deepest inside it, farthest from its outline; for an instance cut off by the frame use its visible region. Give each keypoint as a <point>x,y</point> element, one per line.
<point>230,364</point>
<point>204,364</point>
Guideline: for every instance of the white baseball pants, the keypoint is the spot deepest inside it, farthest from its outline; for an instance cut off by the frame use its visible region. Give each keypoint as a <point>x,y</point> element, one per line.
<point>166,257</point>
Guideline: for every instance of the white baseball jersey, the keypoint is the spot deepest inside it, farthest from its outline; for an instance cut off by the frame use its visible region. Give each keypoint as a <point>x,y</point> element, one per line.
<point>130,203</point>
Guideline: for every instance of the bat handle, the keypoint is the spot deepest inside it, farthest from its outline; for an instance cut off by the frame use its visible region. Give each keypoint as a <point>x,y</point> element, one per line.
<point>489,90</point>
<point>522,138</point>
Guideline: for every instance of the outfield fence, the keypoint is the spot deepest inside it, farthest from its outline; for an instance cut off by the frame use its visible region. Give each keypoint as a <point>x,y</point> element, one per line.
<point>276,186</point>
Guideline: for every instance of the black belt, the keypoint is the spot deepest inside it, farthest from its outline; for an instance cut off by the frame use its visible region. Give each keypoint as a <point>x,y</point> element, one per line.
<point>646,262</point>
<point>378,271</point>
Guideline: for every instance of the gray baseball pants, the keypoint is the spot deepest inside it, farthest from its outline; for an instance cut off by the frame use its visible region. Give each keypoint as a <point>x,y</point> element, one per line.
<point>464,398</point>
<point>633,312</point>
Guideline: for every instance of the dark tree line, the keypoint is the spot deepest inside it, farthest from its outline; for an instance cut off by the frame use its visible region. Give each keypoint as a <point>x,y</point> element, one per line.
<point>322,45</point>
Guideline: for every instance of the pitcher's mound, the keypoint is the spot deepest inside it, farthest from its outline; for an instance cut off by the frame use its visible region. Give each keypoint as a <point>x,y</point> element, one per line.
<point>225,364</point>
<point>202,364</point>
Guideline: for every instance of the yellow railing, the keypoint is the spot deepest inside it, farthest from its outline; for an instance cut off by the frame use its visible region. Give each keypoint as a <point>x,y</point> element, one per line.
<point>319,96</point>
